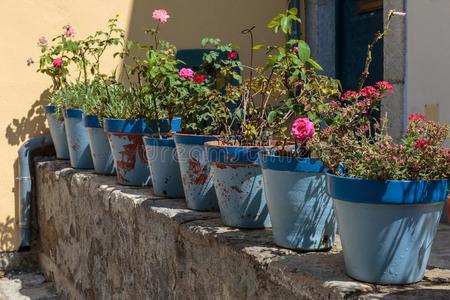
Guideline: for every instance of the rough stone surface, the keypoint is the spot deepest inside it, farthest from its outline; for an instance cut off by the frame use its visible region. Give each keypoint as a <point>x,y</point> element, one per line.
<point>99,240</point>
<point>26,286</point>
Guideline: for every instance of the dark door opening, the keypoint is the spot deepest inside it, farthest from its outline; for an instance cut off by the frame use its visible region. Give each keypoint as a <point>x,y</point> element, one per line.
<point>359,20</point>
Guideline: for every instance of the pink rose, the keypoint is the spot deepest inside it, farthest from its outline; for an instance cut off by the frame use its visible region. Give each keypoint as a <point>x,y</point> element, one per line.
<point>295,49</point>
<point>302,129</point>
<point>160,15</point>
<point>384,86</point>
<point>232,55</point>
<point>57,62</point>
<point>69,31</point>
<point>186,73</point>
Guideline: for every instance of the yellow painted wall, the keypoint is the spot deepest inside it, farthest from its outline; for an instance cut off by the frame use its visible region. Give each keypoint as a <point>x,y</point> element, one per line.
<point>23,91</point>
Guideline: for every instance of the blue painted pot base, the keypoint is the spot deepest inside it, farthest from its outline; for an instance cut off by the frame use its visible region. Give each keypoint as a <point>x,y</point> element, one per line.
<point>387,244</point>
<point>302,213</point>
<point>240,193</point>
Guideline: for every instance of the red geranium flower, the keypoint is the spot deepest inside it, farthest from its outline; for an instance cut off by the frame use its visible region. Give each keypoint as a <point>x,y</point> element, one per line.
<point>349,95</point>
<point>369,92</point>
<point>415,117</point>
<point>421,144</point>
<point>199,78</point>
<point>384,86</point>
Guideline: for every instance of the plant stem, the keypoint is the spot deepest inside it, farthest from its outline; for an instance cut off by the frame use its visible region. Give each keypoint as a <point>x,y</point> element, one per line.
<point>378,37</point>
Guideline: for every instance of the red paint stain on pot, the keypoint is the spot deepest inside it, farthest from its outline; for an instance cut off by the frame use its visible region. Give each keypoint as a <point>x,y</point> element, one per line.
<point>237,189</point>
<point>197,172</point>
<point>130,152</point>
<point>224,166</point>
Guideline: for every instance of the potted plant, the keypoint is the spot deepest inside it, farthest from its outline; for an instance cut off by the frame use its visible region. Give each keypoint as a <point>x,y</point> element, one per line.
<point>68,100</point>
<point>205,115</point>
<point>294,178</point>
<point>140,113</point>
<point>249,128</point>
<point>51,63</point>
<point>85,54</point>
<point>388,196</point>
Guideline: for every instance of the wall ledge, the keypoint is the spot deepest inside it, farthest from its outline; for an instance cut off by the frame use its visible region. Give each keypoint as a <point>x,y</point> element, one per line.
<point>100,240</point>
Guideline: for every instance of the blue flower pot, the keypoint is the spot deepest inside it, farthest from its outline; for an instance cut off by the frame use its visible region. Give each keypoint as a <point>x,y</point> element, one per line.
<point>100,148</point>
<point>77,139</point>
<point>128,150</point>
<point>387,227</point>
<point>196,173</point>
<point>302,213</point>
<point>58,133</point>
<point>164,169</point>
<point>239,185</point>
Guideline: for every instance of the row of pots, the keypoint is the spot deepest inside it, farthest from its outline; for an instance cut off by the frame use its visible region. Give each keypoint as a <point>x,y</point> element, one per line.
<point>386,227</point>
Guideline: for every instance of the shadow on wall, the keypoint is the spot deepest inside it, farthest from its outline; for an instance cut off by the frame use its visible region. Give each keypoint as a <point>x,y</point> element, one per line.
<point>16,133</point>
<point>33,124</point>
<point>7,234</point>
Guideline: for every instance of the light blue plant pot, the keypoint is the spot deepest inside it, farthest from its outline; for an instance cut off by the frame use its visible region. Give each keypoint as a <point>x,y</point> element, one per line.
<point>302,213</point>
<point>77,139</point>
<point>99,145</point>
<point>164,168</point>
<point>239,185</point>
<point>128,149</point>
<point>196,173</point>
<point>387,227</point>
<point>58,133</point>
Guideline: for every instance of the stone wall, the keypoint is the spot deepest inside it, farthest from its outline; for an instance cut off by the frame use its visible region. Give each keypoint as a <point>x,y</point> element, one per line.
<point>99,240</point>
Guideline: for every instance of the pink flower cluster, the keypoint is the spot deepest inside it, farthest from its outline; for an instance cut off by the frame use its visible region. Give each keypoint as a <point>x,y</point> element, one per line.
<point>69,31</point>
<point>160,15</point>
<point>302,129</point>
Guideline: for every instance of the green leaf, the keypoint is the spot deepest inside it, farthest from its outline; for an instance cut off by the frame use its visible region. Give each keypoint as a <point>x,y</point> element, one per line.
<point>304,51</point>
<point>271,117</point>
<point>286,25</point>
<point>314,64</point>
<point>259,46</point>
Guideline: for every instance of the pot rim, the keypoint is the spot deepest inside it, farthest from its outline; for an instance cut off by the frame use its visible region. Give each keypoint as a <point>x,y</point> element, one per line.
<point>291,163</point>
<point>397,192</point>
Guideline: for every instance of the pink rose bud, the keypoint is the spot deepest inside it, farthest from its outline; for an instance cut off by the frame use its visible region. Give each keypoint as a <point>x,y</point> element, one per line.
<point>57,62</point>
<point>232,55</point>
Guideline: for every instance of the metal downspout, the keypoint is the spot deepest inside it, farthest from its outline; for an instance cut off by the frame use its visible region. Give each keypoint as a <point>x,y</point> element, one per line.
<point>25,184</point>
